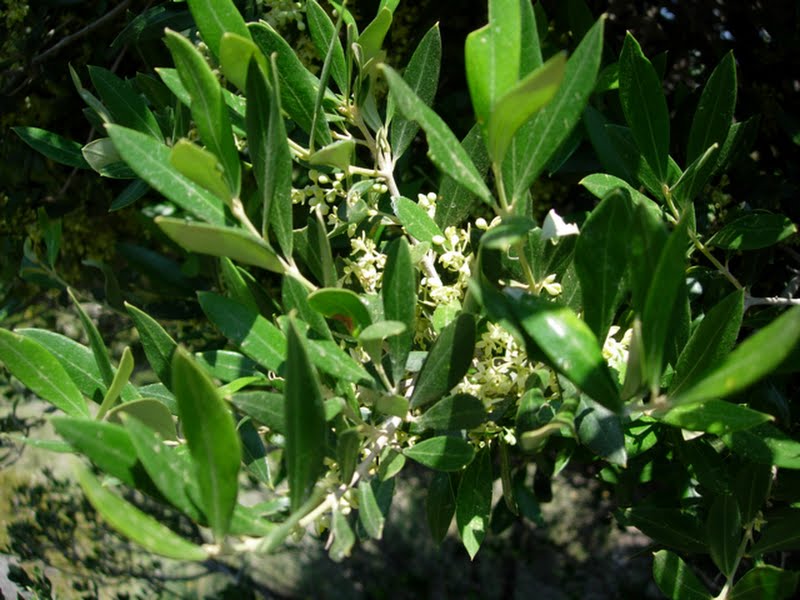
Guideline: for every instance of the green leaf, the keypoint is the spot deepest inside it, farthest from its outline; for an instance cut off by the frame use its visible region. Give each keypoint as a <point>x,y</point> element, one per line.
<point>269,153</point>
<point>78,361</point>
<point>510,230</point>
<point>150,411</point>
<point>753,231</point>
<point>530,46</point>
<point>200,166</point>
<point>443,147</point>
<point>227,365</point>
<point>460,411</point>
<point>235,55</point>
<point>158,345</point>
<point>569,346</point>
<point>258,338</point>
<point>126,106</point>
<point>415,219</point>
<point>440,505</point>
<point>107,445</point>
<point>399,293</point>
<point>724,533</point>
<point>753,359</point>
<point>295,297</point>
<point>230,242</point>
<point>710,343</point>
<point>520,103</point>
<point>714,113</point>
<point>675,579</point>
<point>779,535</point>
<point>323,35</point>
<point>343,537</point>
<point>120,380</point>
<point>298,87</point>
<point>601,259</point>
<point>422,76</point>
<point>644,106</point>
<point>95,342</point>
<point>329,358</point>
<point>213,443</point>
<point>766,582</point>
<point>442,453</point>
<point>102,156</point>
<point>694,178</point>
<point>371,39</point>
<point>369,513</point>
<point>766,445</point>
<point>715,416</point>
<point>342,305</point>
<point>740,140</point>
<point>447,362</point>
<point>162,464</point>
<point>149,159</point>
<point>668,281</point>
<point>538,140</point>
<point>492,56</point>
<point>474,502</point>
<point>268,408</point>
<point>751,486</point>
<point>669,526</point>
<point>305,420</point>
<point>40,371</point>
<point>456,202</point>
<point>209,111</point>
<point>138,526</point>
<point>214,18</point>
<point>253,451</point>
<point>600,430</point>
<point>53,146</point>
<point>339,154</point>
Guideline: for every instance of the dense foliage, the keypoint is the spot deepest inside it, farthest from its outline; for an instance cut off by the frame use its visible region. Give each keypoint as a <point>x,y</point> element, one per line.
<point>375,307</point>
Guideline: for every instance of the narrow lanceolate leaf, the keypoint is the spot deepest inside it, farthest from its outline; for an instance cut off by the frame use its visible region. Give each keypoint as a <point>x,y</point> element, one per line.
<point>343,537</point>
<point>669,526</point>
<point>600,430</point>
<point>126,106</point>
<point>710,343</point>
<point>96,343</point>
<point>764,582</point>
<point>440,505</point>
<point>323,34</point>
<point>694,178</point>
<point>371,39</point>
<point>715,416</point>
<point>448,361</point>
<point>520,103</point>
<point>342,305</point>
<point>329,358</point>
<point>53,146</point>
<point>136,525</point>
<point>415,220</point>
<point>601,260</point>
<point>40,371</point>
<point>78,361</point>
<point>215,18</point>
<point>753,231</point>
<point>107,445</point>
<point>443,147</point>
<point>269,153</point>
<point>158,345</point>
<point>664,292</point>
<point>295,297</point>
<point>779,535</point>
<point>209,111</point>
<point>442,453</point>
<point>675,579</point>
<point>754,358</point>
<point>162,465</point>
<point>530,57</point>
<point>120,380</point>
<point>258,338</point>
<point>305,420</point>
<point>491,57</point>
<point>457,412</point>
<point>569,346</point>
<point>714,113</point>
<point>765,445</point>
<point>149,159</point>
<point>369,513</point>
<point>235,244</point>
<point>474,502</point>
<point>298,87</point>
<point>456,202</point>
<point>150,411</point>
<point>645,106</point>
<point>211,435</point>
<point>422,76</point>
<point>200,166</point>
<point>751,486</point>
<point>538,140</point>
<point>399,293</point>
<point>236,54</point>
<point>724,532</point>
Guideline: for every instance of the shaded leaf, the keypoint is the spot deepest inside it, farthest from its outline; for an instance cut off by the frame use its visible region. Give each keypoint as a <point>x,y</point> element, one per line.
<point>440,504</point>
<point>158,345</point>
<point>442,453</point>
<point>766,582</point>
<point>474,502</point>
<point>715,416</point>
<point>53,146</point>
<point>415,219</point>
<point>724,532</point>
<point>600,430</point>
<point>714,113</point>
<point>460,411</point>
<point>675,579</point>
<point>753,231</point>
<point>399,294</point>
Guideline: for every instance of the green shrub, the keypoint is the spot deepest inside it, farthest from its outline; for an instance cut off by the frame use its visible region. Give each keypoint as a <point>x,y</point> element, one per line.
<point>374,317</point>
